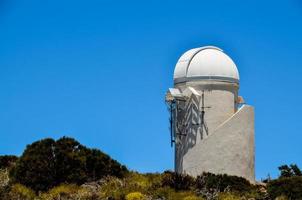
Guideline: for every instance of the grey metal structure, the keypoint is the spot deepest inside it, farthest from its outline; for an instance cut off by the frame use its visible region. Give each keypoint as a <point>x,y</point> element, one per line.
<point>213,131</point>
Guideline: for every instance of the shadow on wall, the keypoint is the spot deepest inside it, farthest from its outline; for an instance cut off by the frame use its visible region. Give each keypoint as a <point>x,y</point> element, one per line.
<point>191,125</point>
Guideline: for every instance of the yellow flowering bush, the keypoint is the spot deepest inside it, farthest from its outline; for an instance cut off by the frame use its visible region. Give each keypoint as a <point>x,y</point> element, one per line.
<point>19,191</point>
<point>135,196</point>
<point>192,197</point>
<point>228,196</point>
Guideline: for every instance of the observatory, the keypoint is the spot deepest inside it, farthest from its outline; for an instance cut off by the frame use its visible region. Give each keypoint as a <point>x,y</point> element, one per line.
<point>211,126</point>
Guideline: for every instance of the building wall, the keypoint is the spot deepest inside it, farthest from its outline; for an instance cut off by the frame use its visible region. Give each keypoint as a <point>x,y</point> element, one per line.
<point>220,97</point>
<point>228,146</point>
<point>229,149</point>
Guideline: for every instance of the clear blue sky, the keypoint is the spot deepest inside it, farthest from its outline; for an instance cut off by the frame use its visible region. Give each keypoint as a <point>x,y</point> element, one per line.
<point>98,71</point>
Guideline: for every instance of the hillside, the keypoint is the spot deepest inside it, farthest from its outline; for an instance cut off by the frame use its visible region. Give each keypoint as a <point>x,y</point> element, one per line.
<point>66,170</point>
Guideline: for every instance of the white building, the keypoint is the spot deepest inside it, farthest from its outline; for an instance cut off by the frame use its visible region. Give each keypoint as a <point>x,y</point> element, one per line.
<point>211,126</point>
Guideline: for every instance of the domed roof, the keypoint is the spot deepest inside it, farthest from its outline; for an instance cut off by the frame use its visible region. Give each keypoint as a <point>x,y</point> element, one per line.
<point>209,63</point>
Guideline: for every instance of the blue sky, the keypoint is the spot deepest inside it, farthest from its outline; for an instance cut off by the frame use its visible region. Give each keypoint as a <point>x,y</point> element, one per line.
<point>98,71</point>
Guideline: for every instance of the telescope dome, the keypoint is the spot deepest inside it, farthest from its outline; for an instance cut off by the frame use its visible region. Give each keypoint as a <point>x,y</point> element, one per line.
<point>205,63</point>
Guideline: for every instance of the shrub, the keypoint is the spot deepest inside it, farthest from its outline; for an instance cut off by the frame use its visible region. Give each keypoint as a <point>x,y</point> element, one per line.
<point>289,171</point>
<point>154,181</point>
<point>135,196</point>
<point>68,192</point>
<point>177,181</point>
<point>228,196</point>
<point>36,167</point>
<point>115,188</point>
<point>19,191</point>
<point>70,161</point>
<point>222,182</point>
<point>112,188</point>
<point>145,183</point>
<point>60,192</point>
<point>48,163</point>
<point>169,193</point>
<point>4,183</point>
<point>285,171</point>
<point>296,170</point>
<point>179,195</point>
<point>193,197</point>
<point>137,182</point>
<point>7,161</point>
<point>290,187</point>
<point>4,179</point>
<point>163,193</point>
<point>99,164</point>
<point>281,198</point>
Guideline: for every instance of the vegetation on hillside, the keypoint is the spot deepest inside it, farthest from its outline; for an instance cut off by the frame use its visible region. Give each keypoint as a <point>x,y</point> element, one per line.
<point>48,163</point>
<point>66,170</point>
<point>289,184</point>
<point>7,161</point>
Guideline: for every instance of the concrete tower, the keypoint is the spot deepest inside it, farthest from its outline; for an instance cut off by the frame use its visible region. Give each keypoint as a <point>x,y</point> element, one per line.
<point>211,126</point>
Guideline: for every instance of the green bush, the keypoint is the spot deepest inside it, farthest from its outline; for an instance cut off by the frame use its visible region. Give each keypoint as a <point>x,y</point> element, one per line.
<point>18,192</point>
<point>150,185</point>
<point>169,193</point>
<point>177,181</point>
<point>116,188</point>
<point>112,188</point>
<point>154,181</point>
<point>289,171</point>
<point>290,187</point>
<point>4,179</point>
<point>135,196</point>
<point>36,167</point>
<point>223,182</point>
<point>61,191</point>
<point>48,163</point>
<point>281,198</point>
<point>68,192</point>
<point>137,182</point>
<point>193,197</point>
<point>4,183</point>
<point>228,196</point>
<point>7,161</point>
<point>99,164</point>
<point>70,161</point>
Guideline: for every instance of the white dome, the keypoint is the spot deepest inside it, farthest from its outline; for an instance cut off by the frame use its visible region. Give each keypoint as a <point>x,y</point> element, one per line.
<point>205,63</point>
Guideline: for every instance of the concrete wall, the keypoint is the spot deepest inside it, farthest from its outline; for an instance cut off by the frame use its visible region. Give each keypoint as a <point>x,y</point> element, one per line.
<point>228,146</point>
<point>229,149</point>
